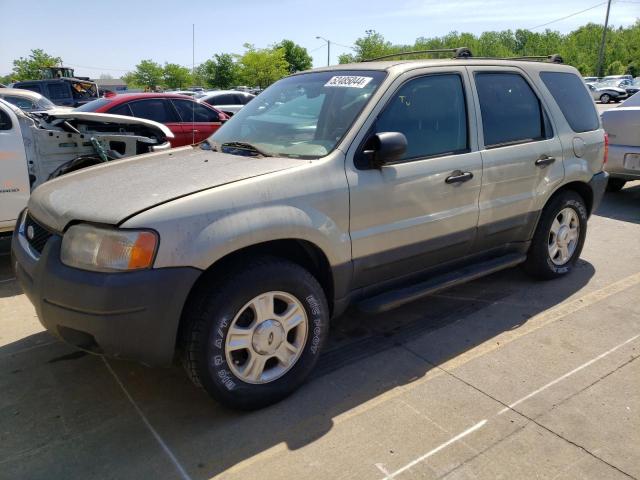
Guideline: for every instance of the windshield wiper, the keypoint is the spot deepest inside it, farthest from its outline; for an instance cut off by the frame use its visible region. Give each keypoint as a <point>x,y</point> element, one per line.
<point>242,146</point>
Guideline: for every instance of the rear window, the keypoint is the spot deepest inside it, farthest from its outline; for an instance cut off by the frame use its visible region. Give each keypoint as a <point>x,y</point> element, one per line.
<point>94,105</point>
<point>574,101</point>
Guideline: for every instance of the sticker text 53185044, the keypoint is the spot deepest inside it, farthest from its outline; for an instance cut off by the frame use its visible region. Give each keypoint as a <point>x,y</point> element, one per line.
<point>350,81</point>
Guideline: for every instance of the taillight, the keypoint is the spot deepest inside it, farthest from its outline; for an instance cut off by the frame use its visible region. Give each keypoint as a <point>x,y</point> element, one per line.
<point>606,148</point>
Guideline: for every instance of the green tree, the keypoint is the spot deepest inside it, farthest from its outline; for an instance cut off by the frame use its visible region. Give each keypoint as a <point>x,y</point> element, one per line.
<point>262,67</point>
<point>176,76</point>
<point>148,74</point>
<point>29,68</point>
<point>372,45</point>
<point>296,56</point>
<point>221,71</point>
<point>616,68</point>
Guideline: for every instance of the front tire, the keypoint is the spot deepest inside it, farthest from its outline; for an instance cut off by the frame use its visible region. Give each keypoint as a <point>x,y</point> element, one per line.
<point>559,237</point>
<point>605,98</point>
<point>253,335</point>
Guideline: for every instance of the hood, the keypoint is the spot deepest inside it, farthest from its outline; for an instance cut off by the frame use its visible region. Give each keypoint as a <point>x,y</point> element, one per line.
<point>113,192</point>
<point>71,114</point>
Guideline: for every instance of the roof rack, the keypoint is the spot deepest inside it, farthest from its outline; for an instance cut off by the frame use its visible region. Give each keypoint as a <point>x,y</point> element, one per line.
<point>461,52</point>
<point>464,52</point>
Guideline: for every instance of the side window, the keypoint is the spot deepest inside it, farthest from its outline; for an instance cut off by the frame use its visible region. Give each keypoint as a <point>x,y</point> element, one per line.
<point>20,102</point>
<point>190,110</point>
<point>156,109</point>
<point>32,87</point>
<point>431,112</point>
<point>5,121</point>
<point>122,110</point>
<point>511,111</point>
<point>225,99</point>
<point>58,91</point>
<point>575,103</point>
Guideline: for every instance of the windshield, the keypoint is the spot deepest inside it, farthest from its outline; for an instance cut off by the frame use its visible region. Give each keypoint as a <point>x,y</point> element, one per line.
<point>303,116</point>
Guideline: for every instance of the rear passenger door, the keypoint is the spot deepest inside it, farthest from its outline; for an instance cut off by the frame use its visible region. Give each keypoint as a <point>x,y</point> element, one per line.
<point>198,121</point>
<point>521,156</point>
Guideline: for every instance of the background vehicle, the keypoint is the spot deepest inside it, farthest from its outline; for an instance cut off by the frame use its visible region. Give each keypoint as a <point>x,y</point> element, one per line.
<point>371,184</point>
<point>590,79</point>
<point>227,101</point>
<point>28,101</point>
<point>622,124</point>
<point>606,93</point>
<point>67,92</point>
<point>39,146</point>
<point>190,121</point>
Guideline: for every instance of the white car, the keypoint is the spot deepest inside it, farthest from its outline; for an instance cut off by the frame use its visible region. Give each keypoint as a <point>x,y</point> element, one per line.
<point>38,146</point>
<point>228,101</point>
<point>622,124</point>
<point>29,101</point>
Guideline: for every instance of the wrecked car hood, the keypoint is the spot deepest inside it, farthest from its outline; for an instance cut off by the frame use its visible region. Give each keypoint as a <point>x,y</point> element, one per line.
<point>69,115</point>
<point>113,192</point>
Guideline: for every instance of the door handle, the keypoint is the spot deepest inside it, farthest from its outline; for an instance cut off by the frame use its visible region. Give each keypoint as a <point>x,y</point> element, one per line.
<point>458,177</point>
<point>544,160</point>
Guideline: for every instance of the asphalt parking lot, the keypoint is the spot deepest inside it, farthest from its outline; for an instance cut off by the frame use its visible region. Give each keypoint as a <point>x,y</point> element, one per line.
<point>504,377</point>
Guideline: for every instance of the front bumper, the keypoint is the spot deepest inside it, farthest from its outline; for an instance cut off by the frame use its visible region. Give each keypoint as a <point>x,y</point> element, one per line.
<point>598,184</point>
<point>133,315</point>
<point>615,162</point>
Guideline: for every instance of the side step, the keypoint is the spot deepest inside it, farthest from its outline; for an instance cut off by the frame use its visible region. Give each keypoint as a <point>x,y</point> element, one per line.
<point>389,300</point>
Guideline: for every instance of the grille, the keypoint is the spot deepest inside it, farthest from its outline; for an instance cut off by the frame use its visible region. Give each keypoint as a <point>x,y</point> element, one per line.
<point>36,234</point>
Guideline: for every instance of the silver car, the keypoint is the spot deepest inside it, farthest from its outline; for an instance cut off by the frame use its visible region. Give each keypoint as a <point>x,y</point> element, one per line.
<point>370,184</point>
<point>606,93</point>
<point>227,101</point>
<point>622,126</point>
<point>29,101</point>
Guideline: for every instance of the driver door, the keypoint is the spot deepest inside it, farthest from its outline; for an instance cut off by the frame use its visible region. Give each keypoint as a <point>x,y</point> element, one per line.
<point>422,210</point>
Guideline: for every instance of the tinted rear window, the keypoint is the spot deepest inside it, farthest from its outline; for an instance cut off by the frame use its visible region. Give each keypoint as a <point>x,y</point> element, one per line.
<point>573,99</point>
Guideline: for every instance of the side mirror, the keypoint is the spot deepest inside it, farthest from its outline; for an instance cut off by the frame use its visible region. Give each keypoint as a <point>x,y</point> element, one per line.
<point>385,147</point>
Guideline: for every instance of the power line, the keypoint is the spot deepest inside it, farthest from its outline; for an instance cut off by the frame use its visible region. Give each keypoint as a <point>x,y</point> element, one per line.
<point>568,16</point>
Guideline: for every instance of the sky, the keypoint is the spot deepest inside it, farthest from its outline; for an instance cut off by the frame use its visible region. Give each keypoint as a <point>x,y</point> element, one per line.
<point>110,37</point>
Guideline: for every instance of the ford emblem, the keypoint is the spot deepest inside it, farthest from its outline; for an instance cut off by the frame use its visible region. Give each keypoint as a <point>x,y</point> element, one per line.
<point>30,232</point>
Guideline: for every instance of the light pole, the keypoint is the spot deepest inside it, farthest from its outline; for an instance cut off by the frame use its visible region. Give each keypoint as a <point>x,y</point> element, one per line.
<point>602,42</point>
<point>328,49</point>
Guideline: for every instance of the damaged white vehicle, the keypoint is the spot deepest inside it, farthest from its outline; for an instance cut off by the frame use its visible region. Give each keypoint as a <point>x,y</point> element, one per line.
<point>35,147</point>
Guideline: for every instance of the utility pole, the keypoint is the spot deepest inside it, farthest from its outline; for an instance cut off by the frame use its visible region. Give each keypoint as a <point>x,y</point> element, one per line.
<point>604,38</point>
<point>328,49</point>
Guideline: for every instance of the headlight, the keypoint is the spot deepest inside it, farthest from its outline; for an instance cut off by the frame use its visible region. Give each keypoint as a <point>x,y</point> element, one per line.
<point>108,249</point>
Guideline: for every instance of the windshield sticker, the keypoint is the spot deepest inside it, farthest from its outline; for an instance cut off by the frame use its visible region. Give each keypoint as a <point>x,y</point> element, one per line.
<point>350,81</point>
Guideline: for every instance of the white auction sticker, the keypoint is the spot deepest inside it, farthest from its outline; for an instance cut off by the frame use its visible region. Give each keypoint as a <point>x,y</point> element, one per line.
<point>350,81</point>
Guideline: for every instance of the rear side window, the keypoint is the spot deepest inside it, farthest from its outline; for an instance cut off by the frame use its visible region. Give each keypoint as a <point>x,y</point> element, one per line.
<point>574,101</point>
<point>431,112</point>
<point>191,110</point>
<point>156,109</point>
<point>511,111</point>
<point>58,91</point>
<point>20,102</point>
<point>33,88</point>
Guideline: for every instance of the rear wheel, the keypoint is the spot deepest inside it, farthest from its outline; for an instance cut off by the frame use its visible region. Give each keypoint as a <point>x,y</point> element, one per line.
<point>252,337</point>
<point>615,184</point>
<point>605,98</point>
<point>559,237</point>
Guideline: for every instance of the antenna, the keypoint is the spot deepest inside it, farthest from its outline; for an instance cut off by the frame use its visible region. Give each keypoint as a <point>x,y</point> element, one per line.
<point>193,71</point>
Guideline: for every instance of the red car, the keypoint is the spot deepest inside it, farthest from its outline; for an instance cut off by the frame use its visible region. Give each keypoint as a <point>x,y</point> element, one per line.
<point>190,121</point>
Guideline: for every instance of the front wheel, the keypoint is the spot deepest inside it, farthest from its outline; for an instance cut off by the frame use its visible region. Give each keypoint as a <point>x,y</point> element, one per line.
<point>559,237</point>
<point>605,98</point>
<point>254,335</point>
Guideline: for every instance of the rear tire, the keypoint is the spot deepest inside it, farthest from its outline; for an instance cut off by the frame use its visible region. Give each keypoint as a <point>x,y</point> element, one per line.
<point>237,363</point>
<point>559,237</point>
<point>615,184</point>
